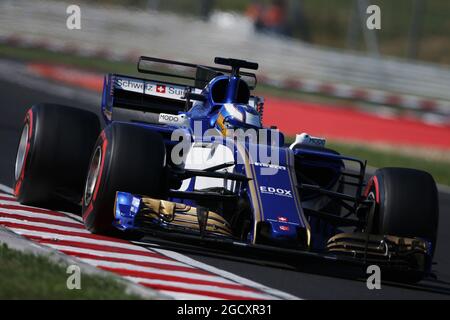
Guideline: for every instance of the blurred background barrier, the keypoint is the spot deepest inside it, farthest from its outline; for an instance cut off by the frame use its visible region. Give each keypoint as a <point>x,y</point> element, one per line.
<point>256,33</point>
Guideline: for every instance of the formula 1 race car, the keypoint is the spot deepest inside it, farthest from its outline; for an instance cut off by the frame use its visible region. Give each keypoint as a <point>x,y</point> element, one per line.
<point>185,156</point>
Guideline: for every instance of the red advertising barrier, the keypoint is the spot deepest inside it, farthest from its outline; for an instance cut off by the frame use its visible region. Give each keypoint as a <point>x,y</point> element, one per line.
<point>293,116</point>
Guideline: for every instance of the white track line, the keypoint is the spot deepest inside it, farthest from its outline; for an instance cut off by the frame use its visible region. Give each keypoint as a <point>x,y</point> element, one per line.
<point>186,296</point>
<point>6,189</point>
<point>46,235</point>
<point>189,275</point>
<point>139,258</point>
<point>217,275</point>
<point>183,274</point>
<point>213,289</point>
<point>49,217</point>
<point>74,217</point>
<point>8,196</point>
<point>226,274</point>
<point>43,225</point>
<point>14,202</point>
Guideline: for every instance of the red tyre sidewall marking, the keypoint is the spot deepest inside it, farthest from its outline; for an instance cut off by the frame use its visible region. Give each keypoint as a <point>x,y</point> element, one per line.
<point>373,182</point>
<point>29,119</point>
<point>99,178</point>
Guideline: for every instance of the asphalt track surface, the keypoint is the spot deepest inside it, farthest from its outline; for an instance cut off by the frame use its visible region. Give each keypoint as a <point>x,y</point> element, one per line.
<point>326,282</point>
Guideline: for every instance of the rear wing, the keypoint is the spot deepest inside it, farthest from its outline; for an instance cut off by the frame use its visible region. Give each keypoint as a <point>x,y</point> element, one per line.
<point>137,99</point>
<point>195,75</point>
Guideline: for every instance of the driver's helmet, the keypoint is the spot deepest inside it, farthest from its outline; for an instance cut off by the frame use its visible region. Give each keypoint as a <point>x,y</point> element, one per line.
<point>237,116</point>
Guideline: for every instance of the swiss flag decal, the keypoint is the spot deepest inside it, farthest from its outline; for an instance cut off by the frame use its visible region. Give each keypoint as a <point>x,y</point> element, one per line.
<point>161,88</point>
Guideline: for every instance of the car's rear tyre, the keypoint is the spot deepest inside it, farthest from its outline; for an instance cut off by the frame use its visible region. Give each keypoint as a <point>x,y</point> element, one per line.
<point>127,158</point>
<point>406,206</point>
<point>53,154</point>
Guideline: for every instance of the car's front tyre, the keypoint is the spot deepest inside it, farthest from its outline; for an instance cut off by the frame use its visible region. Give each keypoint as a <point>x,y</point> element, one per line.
<point>127,158</point>
<point>406,206</point>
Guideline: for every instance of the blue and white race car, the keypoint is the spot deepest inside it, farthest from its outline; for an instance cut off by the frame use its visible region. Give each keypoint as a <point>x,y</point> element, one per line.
<point>184,156</point>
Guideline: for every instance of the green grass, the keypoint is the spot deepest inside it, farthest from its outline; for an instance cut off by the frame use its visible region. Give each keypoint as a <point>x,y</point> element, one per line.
<point>27,276</point>
<point>440,170</point>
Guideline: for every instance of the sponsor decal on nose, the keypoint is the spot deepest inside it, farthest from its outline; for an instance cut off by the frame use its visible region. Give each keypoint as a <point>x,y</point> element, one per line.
<point>276,191</point>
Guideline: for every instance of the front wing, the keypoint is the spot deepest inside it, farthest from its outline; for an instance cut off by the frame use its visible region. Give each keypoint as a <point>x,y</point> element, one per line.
<point>196,226</point>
